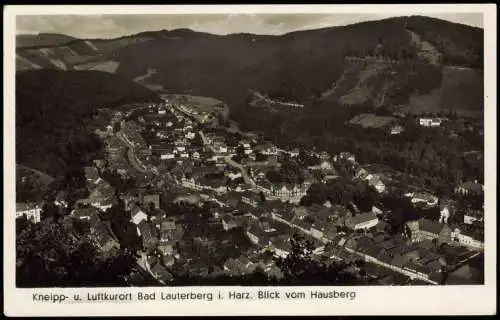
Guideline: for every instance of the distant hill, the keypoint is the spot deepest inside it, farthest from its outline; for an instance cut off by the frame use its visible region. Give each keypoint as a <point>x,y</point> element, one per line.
<point>409,62</point>
<point>54,108</point>
<point>47,51</point>
<point>42,39</point>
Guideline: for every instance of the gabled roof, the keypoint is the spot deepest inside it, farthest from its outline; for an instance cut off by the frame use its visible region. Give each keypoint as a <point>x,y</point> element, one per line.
<point>430,226</point>
<point>472,186</point>
<point>361,218</point>
<point>23,206</point>
<point>84,212</point>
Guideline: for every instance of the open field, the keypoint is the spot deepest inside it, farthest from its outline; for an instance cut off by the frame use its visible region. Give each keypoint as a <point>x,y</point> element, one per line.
<point>201,104</point>
<point>369,120</point>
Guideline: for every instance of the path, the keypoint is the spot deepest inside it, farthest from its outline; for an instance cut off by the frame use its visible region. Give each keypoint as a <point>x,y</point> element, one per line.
<point>130,154</point>
<point>244,173</point>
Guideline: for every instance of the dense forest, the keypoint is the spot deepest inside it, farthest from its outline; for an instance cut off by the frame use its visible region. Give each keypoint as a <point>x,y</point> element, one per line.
<point>54,114</point>
<point>53,254</point>
<point>460,44</point>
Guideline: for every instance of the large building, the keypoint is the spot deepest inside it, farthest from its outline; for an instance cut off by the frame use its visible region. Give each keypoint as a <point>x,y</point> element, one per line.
<point>31,211</point>
<point>425,229</point>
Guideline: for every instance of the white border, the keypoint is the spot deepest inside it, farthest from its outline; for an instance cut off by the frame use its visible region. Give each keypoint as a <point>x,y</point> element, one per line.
<point>454,300</point>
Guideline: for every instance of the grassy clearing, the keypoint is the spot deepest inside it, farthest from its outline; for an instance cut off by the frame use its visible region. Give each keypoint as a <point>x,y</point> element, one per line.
<point>202,104</point>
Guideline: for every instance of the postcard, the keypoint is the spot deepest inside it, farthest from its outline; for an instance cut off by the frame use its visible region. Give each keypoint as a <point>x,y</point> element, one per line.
<point>174,160</point>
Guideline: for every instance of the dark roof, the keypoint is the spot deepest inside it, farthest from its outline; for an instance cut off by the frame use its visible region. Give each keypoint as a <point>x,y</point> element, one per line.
<point>91,173</point>
<point>303,224</point>
<point>361,217</point>
<point>430,226</point>
<point>257,230</point>
<point>160,272</point>
<point>412,266</point>
<point>472,186</point>
<point>102,232</point>
<point>85,212</point>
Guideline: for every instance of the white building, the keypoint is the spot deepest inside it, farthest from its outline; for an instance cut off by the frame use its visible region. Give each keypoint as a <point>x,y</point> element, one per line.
<point>29,210</point>
<point>167,156</point>
<point>138,216</point>
<point>467,239</point>
<point>430,122</point>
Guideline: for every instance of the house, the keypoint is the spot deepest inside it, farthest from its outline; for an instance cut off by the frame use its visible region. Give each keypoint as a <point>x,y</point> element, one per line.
<point>471,216</point>
<point>168,155</point>
<point>138,215</point>
<point>267,149</point>
<point>361,221</point>
<point>397,129</point>
<point>423,197</point>
<point>282,246</point>
<point>303,225</point>
<point>148,233</point>
<point>469,188</point>
<point>161,273</point>
<point>376,183</point>
<point>167,230</point>
<point>468,237</point>
<point>157,216</point>
<point>425,229</point>
<point>235,267</point>
<point>90,214</point>
<point>317,231</point>
<point>250,198</point>
<point>430,122</point>
<point>229,222</point>
<point>103,237</point>
<point>294,153</point>
<point>347,156</point>
<point>257,235</point>
<point>92,175</point>
<point>31,211</point>
<point>324,165</point>
<point>417,269</point>
<point>103,196</point>
<point>152,198</point>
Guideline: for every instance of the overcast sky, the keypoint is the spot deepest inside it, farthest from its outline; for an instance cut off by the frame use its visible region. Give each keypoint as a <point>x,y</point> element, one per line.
<point>109,26</point>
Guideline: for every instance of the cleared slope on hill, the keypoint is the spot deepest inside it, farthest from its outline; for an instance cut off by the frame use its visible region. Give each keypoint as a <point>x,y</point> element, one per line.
<point>54,108</point>
<point>70,53</point>
<point>462,91</point>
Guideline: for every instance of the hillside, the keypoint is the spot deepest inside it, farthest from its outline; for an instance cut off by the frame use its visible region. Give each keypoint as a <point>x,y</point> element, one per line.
<point>410,62</point>
<point>53,113</point>
<point>42,39</point>
<point>346,65</point>
<point>48,51</point>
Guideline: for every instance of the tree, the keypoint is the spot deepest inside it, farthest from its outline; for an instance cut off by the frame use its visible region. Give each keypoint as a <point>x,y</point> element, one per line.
<point>298,261</point>
<point>51,254</point>
<point>299,267</point>
<point>116,127</point>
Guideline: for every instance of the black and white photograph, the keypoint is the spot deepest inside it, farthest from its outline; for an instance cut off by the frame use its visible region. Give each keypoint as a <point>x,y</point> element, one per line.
<point>327,149</point>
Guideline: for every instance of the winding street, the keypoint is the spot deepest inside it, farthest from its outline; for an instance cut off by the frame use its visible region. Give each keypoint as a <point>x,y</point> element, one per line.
<point>244,173</point>
<point>130,154</point>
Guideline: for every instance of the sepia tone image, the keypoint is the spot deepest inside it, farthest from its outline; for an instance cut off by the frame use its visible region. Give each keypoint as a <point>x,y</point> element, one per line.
<point>249,149</point>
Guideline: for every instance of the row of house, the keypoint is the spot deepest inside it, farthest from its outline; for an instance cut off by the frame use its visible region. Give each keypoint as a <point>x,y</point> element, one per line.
<point>424,229</point>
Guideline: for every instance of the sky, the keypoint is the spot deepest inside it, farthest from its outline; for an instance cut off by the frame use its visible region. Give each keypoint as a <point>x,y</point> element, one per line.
<point>110,26</point>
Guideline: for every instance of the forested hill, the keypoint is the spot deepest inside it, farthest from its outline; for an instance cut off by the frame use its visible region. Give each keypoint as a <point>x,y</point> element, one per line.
<point>416,63</point>
<point>300,66</point>
<point>53,109</point>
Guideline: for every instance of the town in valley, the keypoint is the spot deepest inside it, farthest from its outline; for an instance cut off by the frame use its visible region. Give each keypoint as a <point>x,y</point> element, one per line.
<point>175,189</point>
